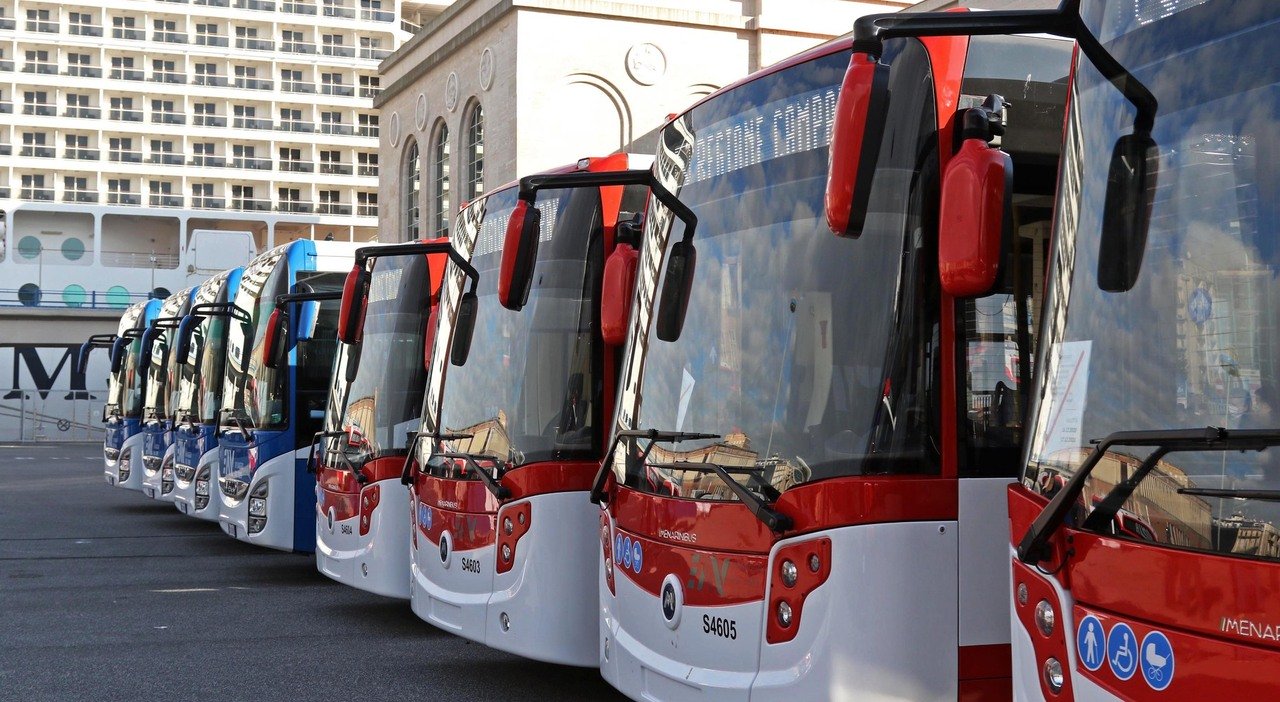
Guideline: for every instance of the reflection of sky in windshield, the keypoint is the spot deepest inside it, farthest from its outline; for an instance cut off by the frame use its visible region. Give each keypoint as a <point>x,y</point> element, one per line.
<point>527,387</point>
<point>1197,341</point>
<point>791,333</point>
<point>387,391</point>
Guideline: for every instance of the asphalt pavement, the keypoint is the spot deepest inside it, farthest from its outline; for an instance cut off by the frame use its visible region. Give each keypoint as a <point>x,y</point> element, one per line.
<point>107,595</point>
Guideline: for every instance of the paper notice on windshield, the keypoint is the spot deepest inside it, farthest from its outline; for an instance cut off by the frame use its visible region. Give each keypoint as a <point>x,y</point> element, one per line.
<point>1070,388</point>
<point>686,392</point>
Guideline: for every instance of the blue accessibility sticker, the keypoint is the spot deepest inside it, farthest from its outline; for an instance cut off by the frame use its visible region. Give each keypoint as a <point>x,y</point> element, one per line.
<point>1091,642</point>
<point>637,556</point>
<point>1157,660</point>
<point>626,552</point>
<point>1122,651</point>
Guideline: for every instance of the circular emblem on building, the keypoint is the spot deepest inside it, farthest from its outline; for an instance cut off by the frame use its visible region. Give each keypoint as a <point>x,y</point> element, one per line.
<point>420,112</point>
<point>646,64</point>
<point>672,600</point>
<point>486,68</point>
<point>1200,306</point>
<point>451,92</point>
<point>393,130</point>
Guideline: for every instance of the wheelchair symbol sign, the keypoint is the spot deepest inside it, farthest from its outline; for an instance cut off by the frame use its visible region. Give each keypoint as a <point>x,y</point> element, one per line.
<point>1122,651</point>
<point>1157,660</point>
<point>1091,642</point>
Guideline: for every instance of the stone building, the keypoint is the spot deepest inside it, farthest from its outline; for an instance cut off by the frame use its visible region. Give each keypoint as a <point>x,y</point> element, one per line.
<point>493,89</point>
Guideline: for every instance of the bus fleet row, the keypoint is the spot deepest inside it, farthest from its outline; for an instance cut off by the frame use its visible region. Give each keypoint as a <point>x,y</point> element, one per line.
<point>936,362</point>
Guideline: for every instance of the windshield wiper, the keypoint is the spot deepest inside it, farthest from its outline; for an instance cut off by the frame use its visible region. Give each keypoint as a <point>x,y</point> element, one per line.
<point>759,506</point>
<point>438,436</point>
<point>321,436</point>
<point>499,490</point>
<point>238,416</point>
<point>1034,546</point>
<point>654,436</point>
<point>1263,495</point>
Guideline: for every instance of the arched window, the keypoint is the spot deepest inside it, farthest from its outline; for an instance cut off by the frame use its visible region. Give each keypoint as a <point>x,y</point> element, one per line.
<point>412,191</point>
<point>440,180</point>
<point>475,151</point>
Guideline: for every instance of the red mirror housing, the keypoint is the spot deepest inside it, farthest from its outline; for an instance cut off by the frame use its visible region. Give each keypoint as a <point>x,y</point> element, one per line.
<point>616,293</point>
<point>519,252</point>
<point>273,339</point>
<point>855,143</point>
<point>351,315</point>
<point>977,191</point>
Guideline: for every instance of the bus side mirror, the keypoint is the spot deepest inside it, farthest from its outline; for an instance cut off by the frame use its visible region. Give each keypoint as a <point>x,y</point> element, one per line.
<point>678,280</point>
<point>616,291</point>
<point>82,360</point>
<point>977,191</point>
<point>1126,211</point>
<point>463,328</point>
<point>519,253</point>
<point>117,354</point>
<point>182,345</point>
<point>856,132</point>
<point>148,343</point>
<point>273,340</point>
<point>354,296</point>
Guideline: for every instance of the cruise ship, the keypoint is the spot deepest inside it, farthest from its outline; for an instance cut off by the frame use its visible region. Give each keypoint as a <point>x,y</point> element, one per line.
<point>147,144</point>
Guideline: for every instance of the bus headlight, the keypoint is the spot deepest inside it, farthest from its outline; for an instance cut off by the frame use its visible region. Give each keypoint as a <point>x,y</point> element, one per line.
<point>789,573</point>
<point>258,507</point>
<point>122,469</point>
<point>1053,675</point>
<point>784,614</point>
<point>1045,617</point>
<point>202,488</point>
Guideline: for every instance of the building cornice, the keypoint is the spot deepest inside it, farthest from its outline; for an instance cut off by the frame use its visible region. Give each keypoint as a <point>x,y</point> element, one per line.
<point>590,8</point>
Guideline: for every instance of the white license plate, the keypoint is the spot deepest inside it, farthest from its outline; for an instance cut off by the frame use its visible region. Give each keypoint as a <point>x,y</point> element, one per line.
<point>151,492</point>
<point>231,529</point>
<point>182,507</point>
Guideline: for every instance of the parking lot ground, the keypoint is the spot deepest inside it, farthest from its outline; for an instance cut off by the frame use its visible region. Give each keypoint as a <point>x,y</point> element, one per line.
<point>107,595</point>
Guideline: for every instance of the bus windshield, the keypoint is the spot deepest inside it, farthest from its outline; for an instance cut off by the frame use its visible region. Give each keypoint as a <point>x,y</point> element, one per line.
<point>199,384</point>
<point>132,383</point>
<point>531,389</point>
<point>118,382</point>
<point>158,400</point>
<point>257,393</point>
<point>807,354</point>
<point>1196,341</point>
<point>384,402</point>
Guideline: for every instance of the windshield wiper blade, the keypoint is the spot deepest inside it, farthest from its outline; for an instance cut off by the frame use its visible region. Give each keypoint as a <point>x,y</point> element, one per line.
<point>770,517</point>
<point>1034,546</point>
<point>238,416</point>
<point>320,437</point>
<point>654,436</point>
<point>1263,495</point>
<point>499,490</point>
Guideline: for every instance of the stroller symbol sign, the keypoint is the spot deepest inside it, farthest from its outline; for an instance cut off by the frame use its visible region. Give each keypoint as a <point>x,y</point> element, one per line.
<point>1122,651</point>
<point>1157,660</point>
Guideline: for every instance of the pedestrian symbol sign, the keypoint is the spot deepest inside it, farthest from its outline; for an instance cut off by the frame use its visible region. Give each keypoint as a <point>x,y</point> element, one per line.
<point>1122,651</point>
<point>1157,660</point>
<point>1091,642</point>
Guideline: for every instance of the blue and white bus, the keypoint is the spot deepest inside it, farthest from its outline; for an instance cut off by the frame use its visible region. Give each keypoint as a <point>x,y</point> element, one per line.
<point>202,344</point>
<point>160,365</point>
<point>272,411</point>
<point>122,446</point>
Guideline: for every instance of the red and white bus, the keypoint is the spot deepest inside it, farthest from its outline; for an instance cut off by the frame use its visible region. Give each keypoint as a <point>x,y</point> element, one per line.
<point>805,490</point>
<point>374,409</point>
<point>519,395</point>
<point>1144,539</point>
